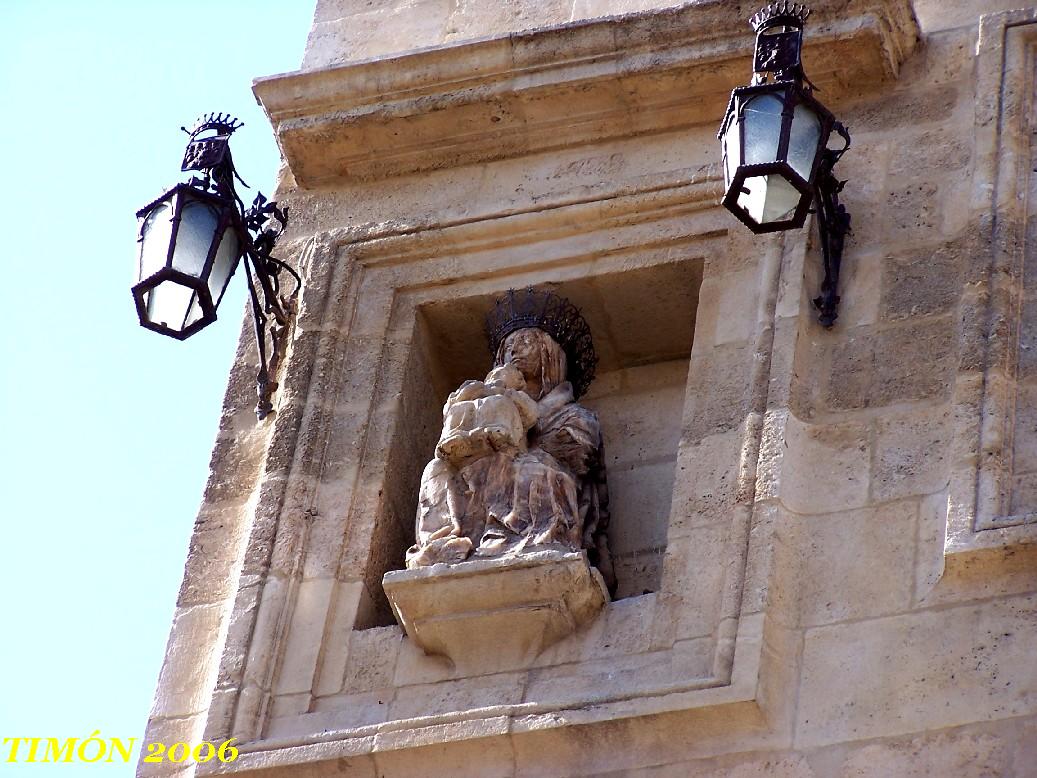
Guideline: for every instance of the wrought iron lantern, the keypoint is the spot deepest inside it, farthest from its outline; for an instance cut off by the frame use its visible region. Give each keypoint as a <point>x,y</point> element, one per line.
<point>775,137</point>
<point>190,243</point>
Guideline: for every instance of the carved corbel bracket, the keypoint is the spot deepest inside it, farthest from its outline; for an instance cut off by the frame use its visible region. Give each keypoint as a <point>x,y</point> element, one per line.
<point>491,615</point>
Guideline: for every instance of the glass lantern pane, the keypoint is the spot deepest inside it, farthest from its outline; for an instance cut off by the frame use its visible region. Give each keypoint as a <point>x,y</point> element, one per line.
<point>194,313</point>
<point>769,199</point>
<point>169,304</point>
<point>762,125</point>
<point>732,152</point>
<point>804,139</point>
<point>223,264</point>
<point>194,237</point>
<point>154,244</point>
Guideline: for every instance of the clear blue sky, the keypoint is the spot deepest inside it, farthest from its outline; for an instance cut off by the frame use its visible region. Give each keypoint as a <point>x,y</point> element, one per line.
<point>106,427</point>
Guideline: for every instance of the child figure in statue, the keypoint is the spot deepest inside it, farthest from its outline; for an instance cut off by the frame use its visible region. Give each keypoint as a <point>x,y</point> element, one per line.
<point>483,417</point>
<point>480,419</point>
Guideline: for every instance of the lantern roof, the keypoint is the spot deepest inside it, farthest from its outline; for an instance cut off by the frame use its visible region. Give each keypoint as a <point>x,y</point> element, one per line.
<point>781,14</point>
<point>223,124</point>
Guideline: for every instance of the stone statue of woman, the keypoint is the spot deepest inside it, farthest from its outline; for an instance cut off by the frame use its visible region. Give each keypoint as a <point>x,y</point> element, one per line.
<point>519,467</point>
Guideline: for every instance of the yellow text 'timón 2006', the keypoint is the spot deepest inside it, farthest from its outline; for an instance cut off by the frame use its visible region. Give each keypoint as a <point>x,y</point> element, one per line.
<point>98,749</point>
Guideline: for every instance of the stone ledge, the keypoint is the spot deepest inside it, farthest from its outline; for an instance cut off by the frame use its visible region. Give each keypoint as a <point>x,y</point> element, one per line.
<point>556,87</point>
<point>490,615</point>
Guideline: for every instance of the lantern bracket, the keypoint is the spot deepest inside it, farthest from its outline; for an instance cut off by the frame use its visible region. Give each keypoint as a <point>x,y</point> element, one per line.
<point>833,225</point>
<point>258,227</point>
<point>266,221</point>
<point>261,225</point>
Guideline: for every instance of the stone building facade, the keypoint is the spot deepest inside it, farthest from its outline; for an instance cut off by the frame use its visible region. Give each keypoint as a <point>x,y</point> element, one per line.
<point>824,540</point>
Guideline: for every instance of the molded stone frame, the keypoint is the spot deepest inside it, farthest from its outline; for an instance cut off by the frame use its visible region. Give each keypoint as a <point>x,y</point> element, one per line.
<point>992,503</point>
<point>709,638</point>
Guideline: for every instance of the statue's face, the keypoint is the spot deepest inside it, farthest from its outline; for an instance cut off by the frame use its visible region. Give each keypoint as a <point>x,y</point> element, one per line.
<point>522,348</point>
<point>537,356</point>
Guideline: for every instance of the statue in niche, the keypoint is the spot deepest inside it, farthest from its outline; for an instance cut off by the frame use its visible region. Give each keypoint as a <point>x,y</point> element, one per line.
<point>519,466</point>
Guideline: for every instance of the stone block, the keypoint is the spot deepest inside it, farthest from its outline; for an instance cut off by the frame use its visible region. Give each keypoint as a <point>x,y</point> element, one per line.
<point>638,572</point>
<point>392,28</point>
<point>288,705</point>
<point>911,453</point>
<point>637,414</point>
<point>338,639</point>
<point>477,18</point>
<point>826,467</point>
<point>496,614</point>
<point>932,544</point>
<point>305,636</point>
<point>628,627</point>
<point>1027,345</point>
<point>922,282</point>
<point>961,754</point>
<point>234,465</point>
<point>849,383</point>
<point>620,676</point>
<point>718,388</point>
<point>938,15</point>
<point>694,569</point>
<point>994,573</point>
<point>463,694</point>
<point>212,557</point>
<point>923,362</point>
<point>457,757</point>
<point>372,659</point>
<point>888,112</point>
<point>922,670</point>
<point>341,711</point>
<point>861,281</point>
<point>973,310</point>
<point>593,751</point>
<point>639,507</point>
<point>414,666</point>
<point>737,309</point>
<point>185,682</point>
<point>855,564</point>
<point>914,360</point>
<point>705,481</point>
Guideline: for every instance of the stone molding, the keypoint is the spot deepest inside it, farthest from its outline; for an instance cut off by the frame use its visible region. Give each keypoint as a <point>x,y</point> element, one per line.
<point>498,97</point>
<point>980,514</point>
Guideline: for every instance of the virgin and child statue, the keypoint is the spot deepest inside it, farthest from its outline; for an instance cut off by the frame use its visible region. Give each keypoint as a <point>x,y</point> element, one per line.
<point>519,466</point>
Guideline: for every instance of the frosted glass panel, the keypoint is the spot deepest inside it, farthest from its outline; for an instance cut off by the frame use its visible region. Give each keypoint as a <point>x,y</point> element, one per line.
<point>762,129</point>
<point>806,132</point>
<point>769,199</point>
<point>154,247</point>
<point>194,313</point>
<point>731,152</point>
<point>195,236</point>
<point>223,264</point>
<point>168,304</point>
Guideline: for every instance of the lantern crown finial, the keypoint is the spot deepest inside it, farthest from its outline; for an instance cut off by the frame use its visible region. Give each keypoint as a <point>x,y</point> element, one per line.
<point>222,123</point>
<point>782,13</point>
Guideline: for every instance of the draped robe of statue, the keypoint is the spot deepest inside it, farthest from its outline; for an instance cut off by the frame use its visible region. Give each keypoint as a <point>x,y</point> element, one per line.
<point>536,490</point>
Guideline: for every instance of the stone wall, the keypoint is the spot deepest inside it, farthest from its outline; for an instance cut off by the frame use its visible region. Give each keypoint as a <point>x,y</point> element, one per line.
<point>827,538</point>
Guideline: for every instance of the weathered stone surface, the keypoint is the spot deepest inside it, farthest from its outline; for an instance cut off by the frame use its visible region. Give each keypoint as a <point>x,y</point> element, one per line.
<point>924,670</point>
<point>823,539</point>
<point>851,565</point>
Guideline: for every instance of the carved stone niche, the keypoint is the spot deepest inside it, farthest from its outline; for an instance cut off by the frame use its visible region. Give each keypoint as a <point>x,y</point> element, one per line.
<point>513,506</point>
<point>643,321</point>
<point>495,614</point>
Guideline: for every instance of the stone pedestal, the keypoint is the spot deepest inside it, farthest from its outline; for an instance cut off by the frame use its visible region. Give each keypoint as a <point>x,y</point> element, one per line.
<point>495,614</point>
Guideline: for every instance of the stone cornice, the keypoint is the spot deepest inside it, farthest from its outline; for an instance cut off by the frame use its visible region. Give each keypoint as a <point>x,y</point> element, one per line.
<point>556,87</point>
